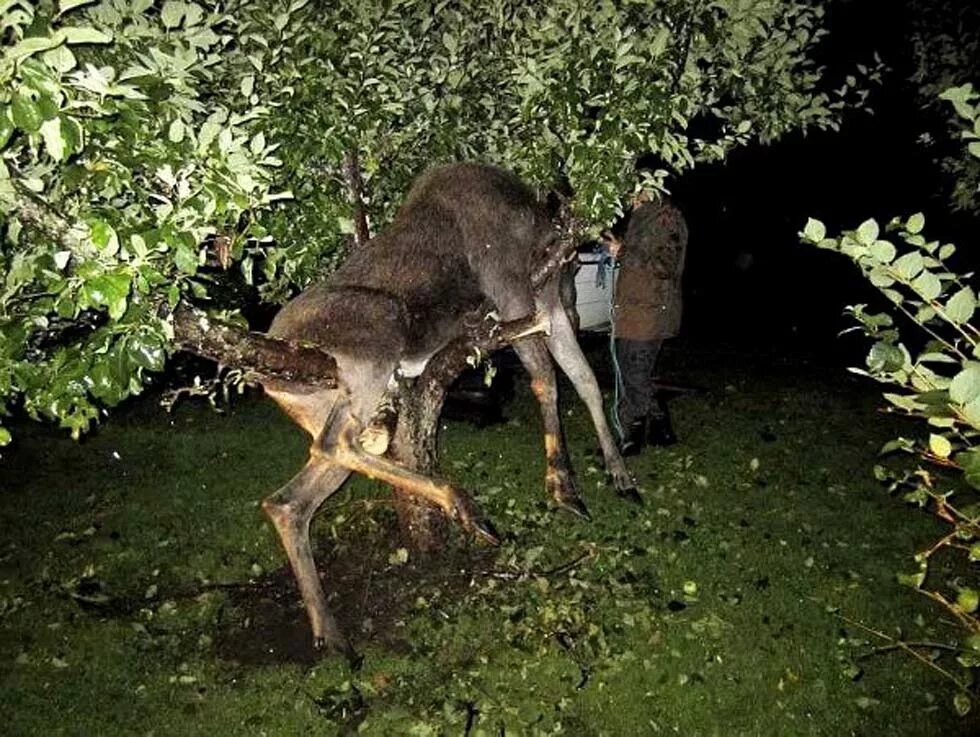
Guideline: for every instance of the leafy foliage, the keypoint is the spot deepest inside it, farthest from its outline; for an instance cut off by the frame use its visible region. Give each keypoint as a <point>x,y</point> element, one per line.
<point>945,47</point>
<point>145,145</point>
<point>126,159</point>
<point>940,384</point>
<point>568,93</point>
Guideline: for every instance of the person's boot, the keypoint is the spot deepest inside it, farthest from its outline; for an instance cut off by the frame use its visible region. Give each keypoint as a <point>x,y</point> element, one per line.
<point>635,438</point>
<point>659,430</point>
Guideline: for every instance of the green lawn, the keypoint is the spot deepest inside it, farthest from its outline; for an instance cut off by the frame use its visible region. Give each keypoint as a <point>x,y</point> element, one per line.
<point>143,593</point>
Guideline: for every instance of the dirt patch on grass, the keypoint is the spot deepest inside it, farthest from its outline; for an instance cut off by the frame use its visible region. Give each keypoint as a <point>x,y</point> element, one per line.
<point>370,595</point>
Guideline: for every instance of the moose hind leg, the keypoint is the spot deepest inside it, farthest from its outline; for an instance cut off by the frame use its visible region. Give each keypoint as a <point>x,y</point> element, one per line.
<point>565,348</point>
<point>291,509</point>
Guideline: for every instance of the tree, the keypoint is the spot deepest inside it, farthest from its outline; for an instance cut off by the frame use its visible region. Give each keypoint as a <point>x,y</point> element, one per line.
<point>940,384</point>
<point>146,146</point>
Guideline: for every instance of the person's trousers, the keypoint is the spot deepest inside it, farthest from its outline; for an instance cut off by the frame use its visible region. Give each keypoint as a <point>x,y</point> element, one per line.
<point>637,360</point>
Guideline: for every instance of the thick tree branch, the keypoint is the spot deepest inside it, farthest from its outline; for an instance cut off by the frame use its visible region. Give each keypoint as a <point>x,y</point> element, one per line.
<point>258,356</point>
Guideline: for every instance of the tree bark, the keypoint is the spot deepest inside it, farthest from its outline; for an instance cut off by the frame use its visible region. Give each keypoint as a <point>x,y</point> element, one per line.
<point>424,528</point>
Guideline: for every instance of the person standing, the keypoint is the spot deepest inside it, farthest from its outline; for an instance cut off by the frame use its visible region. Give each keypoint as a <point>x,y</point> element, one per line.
<point>646,312</point>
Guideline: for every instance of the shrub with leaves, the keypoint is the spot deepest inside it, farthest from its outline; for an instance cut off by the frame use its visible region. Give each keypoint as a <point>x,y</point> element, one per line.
<point>144,145</point>
<point>938,383</point>
<point>126,162</point>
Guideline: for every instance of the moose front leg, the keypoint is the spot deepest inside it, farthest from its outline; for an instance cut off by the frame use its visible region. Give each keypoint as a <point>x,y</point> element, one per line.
<point>558,479</point>
<point>565,348</point>
<point>290,509</point>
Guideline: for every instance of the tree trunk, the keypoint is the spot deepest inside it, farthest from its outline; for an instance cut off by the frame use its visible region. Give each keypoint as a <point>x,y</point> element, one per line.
<point>423,526</point>
<point>415,443</point>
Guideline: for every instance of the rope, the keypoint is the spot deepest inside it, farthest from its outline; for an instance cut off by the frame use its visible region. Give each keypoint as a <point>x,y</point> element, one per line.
<point>607,271</point>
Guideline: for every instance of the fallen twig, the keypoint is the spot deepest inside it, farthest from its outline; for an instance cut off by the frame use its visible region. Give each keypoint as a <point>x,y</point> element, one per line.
<point>900,645</point>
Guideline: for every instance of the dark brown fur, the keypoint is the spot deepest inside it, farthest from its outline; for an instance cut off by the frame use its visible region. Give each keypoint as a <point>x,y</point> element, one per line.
<point>466,235</point>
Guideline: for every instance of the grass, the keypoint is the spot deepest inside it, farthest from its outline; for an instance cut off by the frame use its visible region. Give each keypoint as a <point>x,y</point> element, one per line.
<point>143,593</point>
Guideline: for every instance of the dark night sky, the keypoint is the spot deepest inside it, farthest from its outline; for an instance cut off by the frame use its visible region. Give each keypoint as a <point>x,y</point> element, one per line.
<point>749,280</point>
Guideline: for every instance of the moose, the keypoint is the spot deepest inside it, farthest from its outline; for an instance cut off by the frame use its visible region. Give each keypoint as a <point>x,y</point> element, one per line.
<point>467,235</point>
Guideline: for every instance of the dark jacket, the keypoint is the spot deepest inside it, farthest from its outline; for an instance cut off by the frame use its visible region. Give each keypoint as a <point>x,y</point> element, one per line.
<point>648,301</point>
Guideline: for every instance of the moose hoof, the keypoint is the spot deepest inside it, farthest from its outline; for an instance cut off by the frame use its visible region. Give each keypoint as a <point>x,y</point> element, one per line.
<point>486,531</point>
<point>339,645</point>
<point>575,505</point>
<point>466,513</point>
<point>631,495</point>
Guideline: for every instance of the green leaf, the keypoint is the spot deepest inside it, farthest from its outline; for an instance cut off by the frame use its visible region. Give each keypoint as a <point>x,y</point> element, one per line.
<point>54,141</point>
<point>962,704</point>
<point>965,386</point>
<point>915,223</point>
<point>6,126</point>
<point>927,285</point>
<point>913,580</point>
<point>939,445</point>
<point>104,237</point>
<point>32,45</point>
<point>946,251</point>
<point>104,382</point>
<point>109,290</point>
<point>71,132</point>
<point>885,357</point>
<point>960,307</point>
<point>60,58</point>
<point>247,85</point>
<point>969,461</point>
<point>968,599</point>
<point>972,642</point>
<point>176,131</point>
<point>5,437</point>
<point>814,230</point>
<point>26,114</point>
<point>974,148</point>
<point>909,265</point>
<point>147,352</point>
<point>186,259</point>
<point>137,245</point>
<point>880,278</point>
<point>65,5</point>
<point>883,251</point>
<point>172,13</point>
<point>867,233</point>
<point>971,413</point>
<point>48,107</point>
<point>85,36</point>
